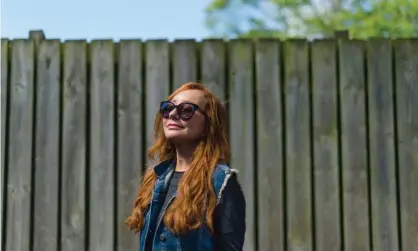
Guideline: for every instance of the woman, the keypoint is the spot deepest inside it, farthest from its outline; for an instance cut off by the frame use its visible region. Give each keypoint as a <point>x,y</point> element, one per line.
<point>191,200</point>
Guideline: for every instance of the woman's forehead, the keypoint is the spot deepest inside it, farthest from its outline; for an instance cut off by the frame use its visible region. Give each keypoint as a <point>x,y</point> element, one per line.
<point>194,96</point>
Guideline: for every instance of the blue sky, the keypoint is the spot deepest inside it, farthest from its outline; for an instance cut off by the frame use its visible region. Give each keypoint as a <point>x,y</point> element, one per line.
<point>78,19</point>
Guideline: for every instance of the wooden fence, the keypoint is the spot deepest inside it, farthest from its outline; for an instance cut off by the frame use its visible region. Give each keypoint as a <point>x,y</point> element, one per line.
<point>324,133</point>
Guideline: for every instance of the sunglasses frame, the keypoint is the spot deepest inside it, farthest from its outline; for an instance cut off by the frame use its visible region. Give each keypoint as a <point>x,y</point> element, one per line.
<point>195,108</point>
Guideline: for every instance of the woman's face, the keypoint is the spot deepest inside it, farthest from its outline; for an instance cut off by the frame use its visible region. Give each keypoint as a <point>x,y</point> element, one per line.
<point>187,122</point>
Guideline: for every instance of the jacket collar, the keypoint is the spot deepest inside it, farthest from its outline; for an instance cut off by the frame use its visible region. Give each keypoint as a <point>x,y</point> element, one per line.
<point>164,170</point>
<point>164,167</point>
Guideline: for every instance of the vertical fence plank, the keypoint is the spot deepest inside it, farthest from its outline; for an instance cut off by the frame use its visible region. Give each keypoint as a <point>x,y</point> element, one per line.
<point>130,145</point>
<point>354,146</point>
<point>241,117</point>
<point>269,146</point>
<point>406,61</point>
<point>19,180</point>
<point>325,146</point>
<point>157,82</point>
<point>74,147</point>
<point>298,160</point>
<point>184,62</point>
<point>382,151</point>
<point>47,146</point>
<point>102,183</point>
<point>213,64</point>
<point>4,121</point>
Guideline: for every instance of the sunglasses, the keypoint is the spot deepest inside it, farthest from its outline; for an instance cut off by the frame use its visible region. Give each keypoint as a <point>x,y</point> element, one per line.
<point>185,110</point>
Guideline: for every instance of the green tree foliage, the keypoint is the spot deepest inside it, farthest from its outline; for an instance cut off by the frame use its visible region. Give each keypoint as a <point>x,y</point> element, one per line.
<point>313,18</point>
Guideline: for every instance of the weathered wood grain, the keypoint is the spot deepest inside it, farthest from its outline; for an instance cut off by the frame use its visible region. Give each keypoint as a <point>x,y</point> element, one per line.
<point>213,65</point>
<point>102,141</point>
<point>354,145</point>
<point>325,146</point>
<point>298,156</point>
<point>4,131</point>
<point>20,159</point>
<point>184,62</point>
<point>47,130</point>
<point>242,124</point>
<point>130,151</point>
<point>382,146</point>
<point>406,74</point>
<point>270,183</point>
<point>74,147</point>
<point>157,83</point>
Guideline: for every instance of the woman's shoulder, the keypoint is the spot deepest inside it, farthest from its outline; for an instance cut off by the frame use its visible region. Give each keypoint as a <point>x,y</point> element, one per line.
<point>222,175</point>
<point>224,169</point>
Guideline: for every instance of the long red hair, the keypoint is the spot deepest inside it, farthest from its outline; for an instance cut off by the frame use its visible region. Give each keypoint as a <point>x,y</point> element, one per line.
<point>196,199</point>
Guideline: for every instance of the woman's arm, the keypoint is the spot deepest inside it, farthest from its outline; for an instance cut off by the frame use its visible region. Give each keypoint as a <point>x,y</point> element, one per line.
<point>229,222</point>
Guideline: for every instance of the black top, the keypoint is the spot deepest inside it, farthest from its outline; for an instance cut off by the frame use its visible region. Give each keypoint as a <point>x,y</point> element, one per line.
<point>229,217</point>
<point>172,188</point>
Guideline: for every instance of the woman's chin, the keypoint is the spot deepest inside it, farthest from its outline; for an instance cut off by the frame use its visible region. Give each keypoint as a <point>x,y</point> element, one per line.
<point>174,136</point>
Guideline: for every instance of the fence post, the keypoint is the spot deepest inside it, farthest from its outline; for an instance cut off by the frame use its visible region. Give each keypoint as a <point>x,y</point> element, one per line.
<point>37,35</point>
<point>342,34</point>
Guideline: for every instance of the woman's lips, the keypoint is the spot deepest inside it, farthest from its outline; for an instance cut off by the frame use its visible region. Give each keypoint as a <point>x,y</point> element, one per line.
<point>175,126</point>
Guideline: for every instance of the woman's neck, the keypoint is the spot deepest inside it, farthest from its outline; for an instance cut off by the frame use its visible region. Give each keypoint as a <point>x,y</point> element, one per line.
<point>182,164</point>
<point>184,157</point>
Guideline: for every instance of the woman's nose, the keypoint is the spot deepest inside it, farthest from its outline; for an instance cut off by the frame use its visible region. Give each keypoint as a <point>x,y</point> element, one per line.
<point>173,114</point>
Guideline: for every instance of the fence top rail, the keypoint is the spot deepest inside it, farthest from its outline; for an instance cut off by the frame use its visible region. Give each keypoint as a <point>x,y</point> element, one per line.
<point>39,35</point>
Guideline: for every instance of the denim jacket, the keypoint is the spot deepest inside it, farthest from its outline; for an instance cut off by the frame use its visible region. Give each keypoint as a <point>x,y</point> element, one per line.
<point>197,240</point>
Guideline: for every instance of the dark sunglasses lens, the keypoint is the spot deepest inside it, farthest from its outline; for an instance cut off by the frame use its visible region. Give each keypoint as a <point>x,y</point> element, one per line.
<point>166,108</point>
<point>186,111</point>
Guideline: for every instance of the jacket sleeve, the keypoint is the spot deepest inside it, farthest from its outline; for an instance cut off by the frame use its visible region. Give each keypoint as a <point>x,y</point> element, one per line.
<point>229,221</point>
